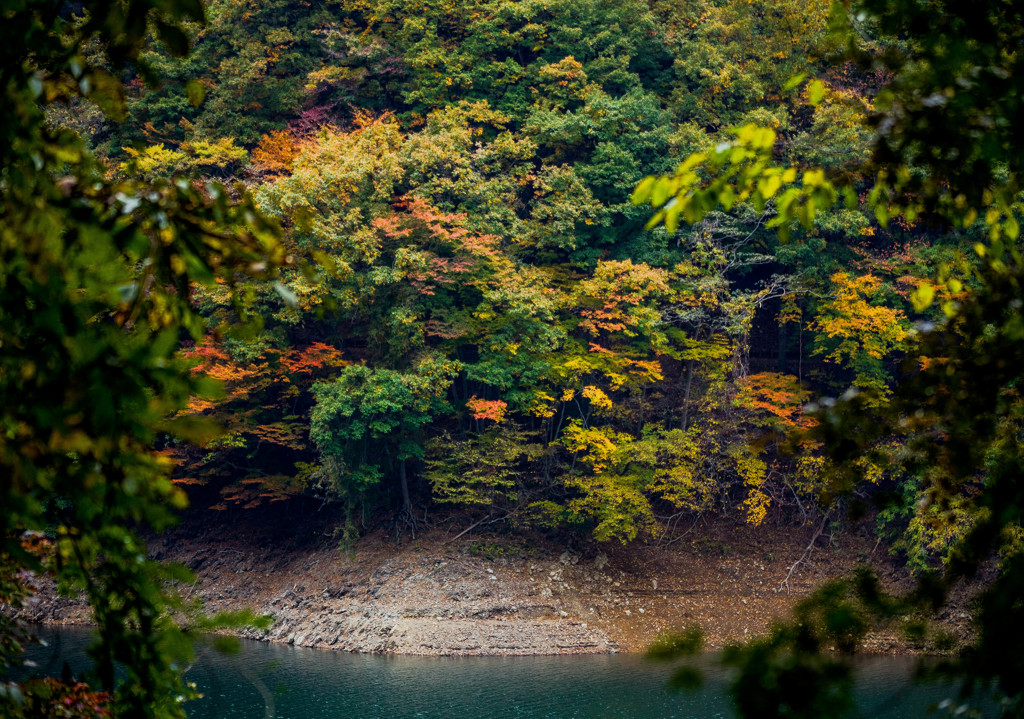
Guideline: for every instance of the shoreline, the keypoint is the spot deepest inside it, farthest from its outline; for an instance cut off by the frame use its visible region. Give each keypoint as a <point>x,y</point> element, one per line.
<point>877,645</point>
<point>503,596</point>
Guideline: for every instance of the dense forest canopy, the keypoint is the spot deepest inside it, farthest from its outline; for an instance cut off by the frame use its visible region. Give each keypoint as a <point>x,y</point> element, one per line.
<point>454,184</point>
<point>412,245</point>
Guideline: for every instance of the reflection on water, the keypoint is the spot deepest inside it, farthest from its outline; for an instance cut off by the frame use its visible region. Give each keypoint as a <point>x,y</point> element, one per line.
<point>295,683</point>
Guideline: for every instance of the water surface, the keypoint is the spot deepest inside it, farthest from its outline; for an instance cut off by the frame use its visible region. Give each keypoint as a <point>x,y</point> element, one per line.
<point>268,680</point>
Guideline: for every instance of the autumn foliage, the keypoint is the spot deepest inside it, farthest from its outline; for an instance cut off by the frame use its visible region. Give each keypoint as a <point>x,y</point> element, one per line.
<point>274,154</point>
<point>454,187</point>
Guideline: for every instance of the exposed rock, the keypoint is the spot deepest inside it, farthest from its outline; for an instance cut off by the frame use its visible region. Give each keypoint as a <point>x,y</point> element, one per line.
<point>435,598</point>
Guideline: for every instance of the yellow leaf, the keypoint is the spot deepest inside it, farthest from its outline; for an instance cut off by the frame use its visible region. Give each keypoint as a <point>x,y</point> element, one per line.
<point>922,297</point>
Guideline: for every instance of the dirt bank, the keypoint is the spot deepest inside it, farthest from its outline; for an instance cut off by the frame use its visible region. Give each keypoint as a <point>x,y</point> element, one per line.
<point>500,595</point>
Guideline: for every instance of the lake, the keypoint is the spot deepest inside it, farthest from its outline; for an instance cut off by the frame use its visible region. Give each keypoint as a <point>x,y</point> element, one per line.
<point>268,680</point>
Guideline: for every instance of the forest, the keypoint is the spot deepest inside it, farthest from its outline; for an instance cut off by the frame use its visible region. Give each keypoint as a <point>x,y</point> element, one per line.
<point>472,311</point>
<point>592,267</point>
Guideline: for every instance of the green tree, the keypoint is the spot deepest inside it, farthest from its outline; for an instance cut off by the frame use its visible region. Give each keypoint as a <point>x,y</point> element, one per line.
<point>368,424</point>
<point>733,58</point>
<point>95,281</point>
<point>487,470</point>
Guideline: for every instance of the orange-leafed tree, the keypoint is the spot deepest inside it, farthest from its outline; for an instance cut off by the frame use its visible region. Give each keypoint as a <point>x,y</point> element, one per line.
<point>275,153</point>
<point>263,410</point>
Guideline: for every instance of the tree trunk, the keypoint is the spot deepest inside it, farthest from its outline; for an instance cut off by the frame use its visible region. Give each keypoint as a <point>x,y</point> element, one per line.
<point>404,479</point>
<point>686,396</point>
<point>783,344</point>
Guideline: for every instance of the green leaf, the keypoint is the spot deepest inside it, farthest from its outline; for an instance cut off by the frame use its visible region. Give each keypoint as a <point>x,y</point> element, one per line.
<point>1011,227</point>
<point>686,679</point>
<point>672,218</point>
<point>195,91</point>
<point>227,645</point>
<point>794,81</point>
<point>108,94</point>
<point>671,645</point>
<point>191,428</point>
<point>769,185</point>
<point>850,198</point>
<point>815,92</point>
<point>656,219</point>
<point>660,192</point>
<point>642,193</point>
<point>174,38</point>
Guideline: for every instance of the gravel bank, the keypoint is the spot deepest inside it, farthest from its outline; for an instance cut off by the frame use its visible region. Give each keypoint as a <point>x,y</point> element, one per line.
<point>500,596</point>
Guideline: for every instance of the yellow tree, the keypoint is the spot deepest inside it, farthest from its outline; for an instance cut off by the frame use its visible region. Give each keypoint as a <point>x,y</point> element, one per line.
<point>860,332</point>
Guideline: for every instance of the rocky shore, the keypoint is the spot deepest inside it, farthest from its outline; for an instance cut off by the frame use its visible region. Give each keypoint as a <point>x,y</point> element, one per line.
<point>499,596</point>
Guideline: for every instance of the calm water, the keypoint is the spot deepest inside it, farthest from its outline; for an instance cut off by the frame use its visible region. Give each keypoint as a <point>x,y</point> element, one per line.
<point>265,680</point>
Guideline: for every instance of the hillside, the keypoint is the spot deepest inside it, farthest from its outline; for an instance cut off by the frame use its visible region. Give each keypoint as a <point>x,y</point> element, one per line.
<point>501,326</point>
